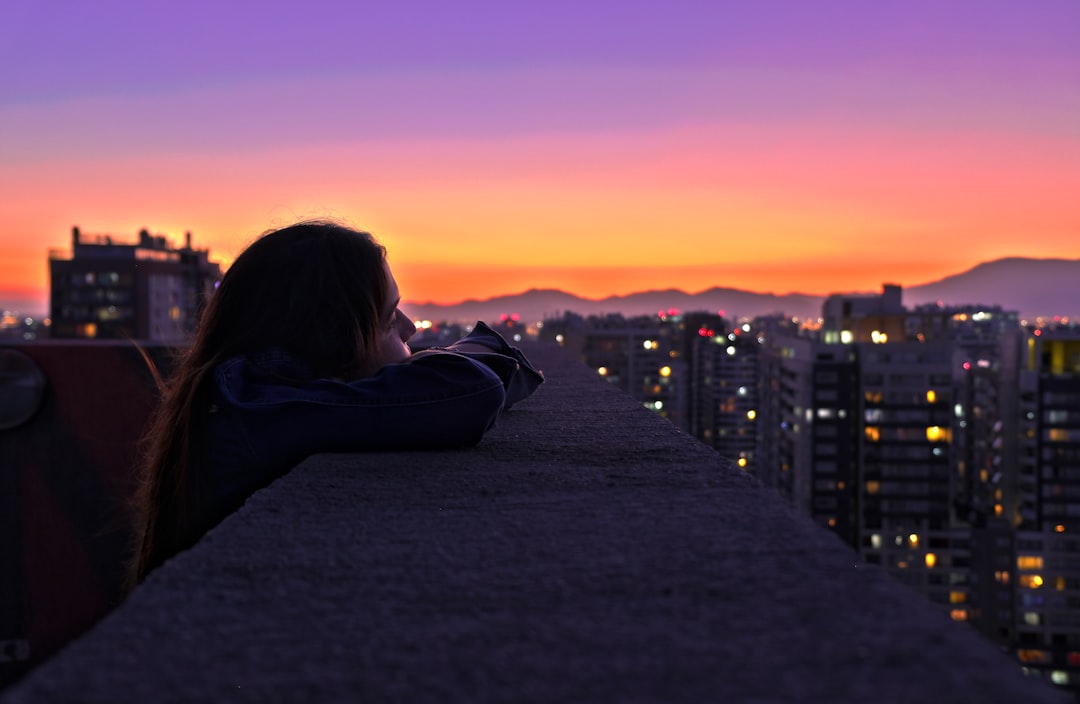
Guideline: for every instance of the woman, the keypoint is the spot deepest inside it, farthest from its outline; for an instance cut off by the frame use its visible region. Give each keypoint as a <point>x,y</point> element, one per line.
<point>303,349</point>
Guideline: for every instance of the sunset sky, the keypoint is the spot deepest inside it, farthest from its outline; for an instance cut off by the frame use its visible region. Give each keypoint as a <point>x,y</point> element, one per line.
<point>598,147</point>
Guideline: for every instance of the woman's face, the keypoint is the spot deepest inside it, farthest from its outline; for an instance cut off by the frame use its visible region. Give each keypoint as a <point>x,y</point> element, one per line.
<point>395,329</point>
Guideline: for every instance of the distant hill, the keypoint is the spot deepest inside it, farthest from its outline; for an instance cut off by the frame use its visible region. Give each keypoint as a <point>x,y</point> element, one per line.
<point>1032,287</point>
<point>538,304</point>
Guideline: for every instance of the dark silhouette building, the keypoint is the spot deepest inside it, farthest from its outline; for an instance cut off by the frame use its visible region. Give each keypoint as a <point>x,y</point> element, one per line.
<point>148,290</point>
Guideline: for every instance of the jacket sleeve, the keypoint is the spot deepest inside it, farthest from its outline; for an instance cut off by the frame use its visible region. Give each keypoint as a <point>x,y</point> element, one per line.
<point>520,378</point>
<point>439,401</point>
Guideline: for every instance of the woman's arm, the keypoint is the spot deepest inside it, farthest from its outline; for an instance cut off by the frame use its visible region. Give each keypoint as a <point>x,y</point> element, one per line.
<point>483,344</point>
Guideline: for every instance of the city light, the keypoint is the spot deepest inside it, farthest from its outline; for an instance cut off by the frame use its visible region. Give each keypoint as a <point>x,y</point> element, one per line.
<point>665,371</point>
<point>935,433</point>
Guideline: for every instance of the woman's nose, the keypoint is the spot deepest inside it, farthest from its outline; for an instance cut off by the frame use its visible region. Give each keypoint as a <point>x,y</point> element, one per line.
<point>407,328</point>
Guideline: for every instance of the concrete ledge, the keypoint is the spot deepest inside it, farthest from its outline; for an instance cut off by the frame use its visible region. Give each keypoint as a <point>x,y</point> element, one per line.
<point>586,551</point>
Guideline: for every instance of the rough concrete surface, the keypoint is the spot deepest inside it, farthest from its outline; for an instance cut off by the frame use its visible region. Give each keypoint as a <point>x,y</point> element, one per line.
<point>586,551</point>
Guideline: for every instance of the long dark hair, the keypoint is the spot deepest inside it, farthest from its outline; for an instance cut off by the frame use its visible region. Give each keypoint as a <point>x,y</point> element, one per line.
<point>315,290</point>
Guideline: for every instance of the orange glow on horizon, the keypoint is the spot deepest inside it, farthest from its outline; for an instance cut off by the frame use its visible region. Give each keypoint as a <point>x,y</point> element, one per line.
<point>454,283</point>
<point>808,210</point>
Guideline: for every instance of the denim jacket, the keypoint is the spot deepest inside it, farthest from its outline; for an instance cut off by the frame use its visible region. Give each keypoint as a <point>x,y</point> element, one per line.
<point>269,412</point>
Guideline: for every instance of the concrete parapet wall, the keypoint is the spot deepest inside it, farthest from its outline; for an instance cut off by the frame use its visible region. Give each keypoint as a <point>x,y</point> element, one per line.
<point>587,550</point>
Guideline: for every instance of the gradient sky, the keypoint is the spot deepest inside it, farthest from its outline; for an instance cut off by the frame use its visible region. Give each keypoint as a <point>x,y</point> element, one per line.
<point>598,147</point>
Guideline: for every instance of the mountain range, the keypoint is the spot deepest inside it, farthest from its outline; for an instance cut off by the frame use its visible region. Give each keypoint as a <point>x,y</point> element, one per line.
<point>1032,287</point>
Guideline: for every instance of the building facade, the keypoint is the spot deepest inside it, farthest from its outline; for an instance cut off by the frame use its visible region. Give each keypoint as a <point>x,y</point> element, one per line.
<point>147,290</point>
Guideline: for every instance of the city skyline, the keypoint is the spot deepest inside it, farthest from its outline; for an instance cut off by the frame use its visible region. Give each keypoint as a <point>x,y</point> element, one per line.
<point>599,150</point>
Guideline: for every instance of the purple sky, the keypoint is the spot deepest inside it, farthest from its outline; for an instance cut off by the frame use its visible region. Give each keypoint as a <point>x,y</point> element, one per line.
<point>270,106</point>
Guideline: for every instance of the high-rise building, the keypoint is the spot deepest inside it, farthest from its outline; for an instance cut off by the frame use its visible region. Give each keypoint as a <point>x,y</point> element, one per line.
<point>1047,576</point>
<point>807,425</point>
<point>892,428</point>
<point>148,290</point>
<point>907,462</point>
<point>641,356</point>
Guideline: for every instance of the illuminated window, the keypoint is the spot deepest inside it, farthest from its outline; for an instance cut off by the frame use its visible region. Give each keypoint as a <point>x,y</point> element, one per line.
<point>1032,618</point>
<point>957,597</point>
<point>1031,655</point>
<point>665,371</point>
<point>1059,584</point>
<point>751,414</point>
<point>873,486</point>
<point>602,371</point>
<point>931,559</point>
<point>914,540</point>
<point>1031,581</point>
<point>958,615</point>
<point>931,396</point>
<point>873,433</point>
<point>1029,562</point>
<point>935,433</point>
